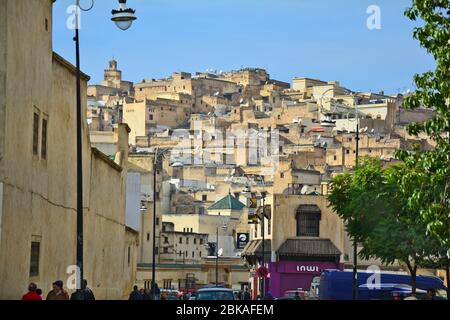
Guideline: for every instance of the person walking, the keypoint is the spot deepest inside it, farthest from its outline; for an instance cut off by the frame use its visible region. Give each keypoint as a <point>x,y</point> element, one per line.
<point>135,294</point>
<point>32,294</point>
<point>58,293</point>
<point>246,295</point>
<point>84,293</point>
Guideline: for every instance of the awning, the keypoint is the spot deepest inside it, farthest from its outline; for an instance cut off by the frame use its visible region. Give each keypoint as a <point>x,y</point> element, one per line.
<point>322,248</point>
<point>254,248</point>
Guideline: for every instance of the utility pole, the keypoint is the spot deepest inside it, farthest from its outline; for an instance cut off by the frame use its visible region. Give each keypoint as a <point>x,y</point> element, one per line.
<point>217,256</point>
<point>154,226</point>
<point>355,244</point>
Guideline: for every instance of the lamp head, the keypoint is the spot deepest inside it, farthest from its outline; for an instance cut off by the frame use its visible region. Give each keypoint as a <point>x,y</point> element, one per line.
<point>123,17</point>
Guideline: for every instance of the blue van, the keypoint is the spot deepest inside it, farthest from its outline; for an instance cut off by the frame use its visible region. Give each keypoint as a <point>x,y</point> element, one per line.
<point>337,285</point>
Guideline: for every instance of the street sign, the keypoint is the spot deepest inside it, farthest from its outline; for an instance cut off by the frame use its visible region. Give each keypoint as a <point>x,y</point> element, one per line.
<point>252,203</point>
<point>252,219</point>
<point>242,240</point>
<point>267,211</point>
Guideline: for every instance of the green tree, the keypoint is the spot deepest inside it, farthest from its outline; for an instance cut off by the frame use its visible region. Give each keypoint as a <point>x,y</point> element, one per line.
<point>431,169</point>
<point>377,214</point>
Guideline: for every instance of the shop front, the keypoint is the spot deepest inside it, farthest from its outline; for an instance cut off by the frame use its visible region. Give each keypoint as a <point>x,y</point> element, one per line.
<point>292,275</point>
<point>299,261</point>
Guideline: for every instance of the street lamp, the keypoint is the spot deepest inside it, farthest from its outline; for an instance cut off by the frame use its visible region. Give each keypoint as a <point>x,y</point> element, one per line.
<point>262,195</point>
<point>224,227</point>
<point>123,17</point>
<point>79,147</point>
<point>159,154</point>
<point>355,244</point>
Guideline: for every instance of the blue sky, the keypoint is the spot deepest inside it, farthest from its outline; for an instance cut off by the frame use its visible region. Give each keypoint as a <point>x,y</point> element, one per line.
<point>325,39</point>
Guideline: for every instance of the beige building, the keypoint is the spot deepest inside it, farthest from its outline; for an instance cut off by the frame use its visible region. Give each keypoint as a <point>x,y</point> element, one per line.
<point>38,171</point>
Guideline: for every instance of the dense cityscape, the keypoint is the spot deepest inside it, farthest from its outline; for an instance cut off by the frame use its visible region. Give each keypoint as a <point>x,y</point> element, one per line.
<point>214,179</point>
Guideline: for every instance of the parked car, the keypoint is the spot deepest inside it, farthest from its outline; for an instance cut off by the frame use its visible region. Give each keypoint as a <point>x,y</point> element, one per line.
<point>337,285</point>
<point>215,293</point>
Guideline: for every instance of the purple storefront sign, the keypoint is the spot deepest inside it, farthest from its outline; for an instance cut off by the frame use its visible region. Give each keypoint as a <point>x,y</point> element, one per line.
<point>291,275</point>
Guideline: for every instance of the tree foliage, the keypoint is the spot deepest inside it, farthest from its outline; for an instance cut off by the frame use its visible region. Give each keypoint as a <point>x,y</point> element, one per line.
<point>378,216</point>
<point>429,171</point>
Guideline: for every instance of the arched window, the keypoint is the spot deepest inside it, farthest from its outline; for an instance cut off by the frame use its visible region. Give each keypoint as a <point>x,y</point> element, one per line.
<point>308,221</point>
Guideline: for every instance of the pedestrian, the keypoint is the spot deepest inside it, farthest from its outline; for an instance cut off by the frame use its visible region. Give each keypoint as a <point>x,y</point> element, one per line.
<point>157,292</point>
<point>58,293</point>
<point>239,295</point>
<point>32,294</point>
<point>84,293</point>
<point>246,295</point>
<point>135,294</point>
<point>39,292</point>
<point>297,296</point>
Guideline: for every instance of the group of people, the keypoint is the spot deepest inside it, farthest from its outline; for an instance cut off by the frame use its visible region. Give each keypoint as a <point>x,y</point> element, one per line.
<point>245,295</point>
<point>144,294</point>
<point>58,292</point>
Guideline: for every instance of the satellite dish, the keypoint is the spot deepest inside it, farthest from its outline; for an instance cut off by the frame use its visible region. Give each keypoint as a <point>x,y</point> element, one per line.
<point>382,157</point>
<point>220,252</point>
<point>241,101</point>
<point>372,131</point>
<point>365,129</point>
<point>318,137</point>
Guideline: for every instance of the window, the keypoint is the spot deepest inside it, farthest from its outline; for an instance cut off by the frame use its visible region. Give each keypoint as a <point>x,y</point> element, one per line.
<point>44,139</point>
<point>166,250</point>
<point>35,133</point>
<point>187,240</point>
<point>193,254</point>
<point>269,225</point>
<point>181,240</point>
<point>334,158</point>
<point>349,139</point>
<point>308,221</point>
<point>157,221</point>
<point>201,241</point>
<point>195,241</point>
<point>148,236</point>
<point>156,250</point>
<point>166,240</point>
<point>200,254</point>
<point>150,117</point>
<point>129,256</point>
<point>282,175</point>
<point>34,259</point>
<point>347,151</point>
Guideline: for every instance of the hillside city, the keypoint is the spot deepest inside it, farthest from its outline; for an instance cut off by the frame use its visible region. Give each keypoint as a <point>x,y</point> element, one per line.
<point>209,178</point>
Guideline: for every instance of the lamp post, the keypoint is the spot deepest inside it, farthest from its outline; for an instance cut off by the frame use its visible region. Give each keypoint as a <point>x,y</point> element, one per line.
<point>224,227</point>
<point>159,154</point>
<point>263,196</point>
<point>129,18</point>
<point>355,243</point>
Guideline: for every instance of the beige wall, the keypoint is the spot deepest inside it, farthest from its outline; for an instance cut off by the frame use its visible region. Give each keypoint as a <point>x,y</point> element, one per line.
<point>135,115</point>
<point>41,192</point>
<point>284,222</point>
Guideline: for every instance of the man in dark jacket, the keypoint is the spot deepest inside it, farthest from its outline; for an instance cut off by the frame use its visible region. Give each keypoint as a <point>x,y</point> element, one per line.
<point>84,293</point>
<point>135,294</point>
